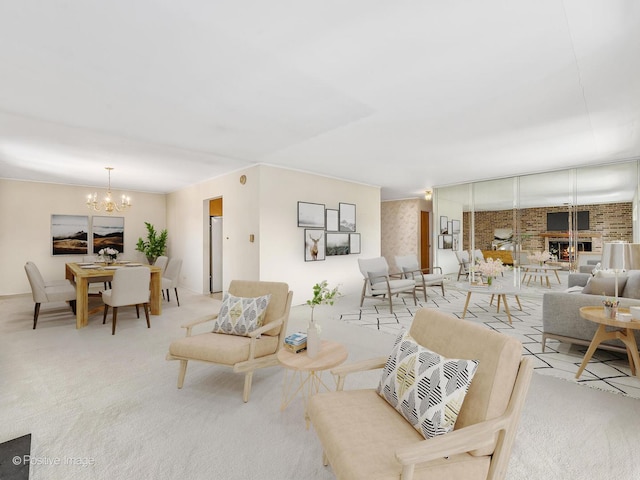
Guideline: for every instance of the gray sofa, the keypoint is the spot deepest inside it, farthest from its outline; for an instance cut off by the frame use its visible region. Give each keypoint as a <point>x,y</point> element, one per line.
<point>561,318</point>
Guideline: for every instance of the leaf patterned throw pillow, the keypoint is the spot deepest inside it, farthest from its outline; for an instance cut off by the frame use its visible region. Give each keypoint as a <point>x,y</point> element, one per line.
<point>239,315</point>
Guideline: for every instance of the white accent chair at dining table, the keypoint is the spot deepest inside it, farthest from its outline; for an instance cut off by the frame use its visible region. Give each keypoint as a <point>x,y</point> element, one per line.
<point>161,262</point>
<point>130,286</point>
<point>170,278</point>
<point>423,277</point>
<point>48,291</point>
<point>378,283</point>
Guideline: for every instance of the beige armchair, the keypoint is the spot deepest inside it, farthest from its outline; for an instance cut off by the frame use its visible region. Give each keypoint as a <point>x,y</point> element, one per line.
<point>364,437</point>
<point>242,353</point>
<point>378,283</point>
<point>423,277</point>
<point>464,263</point>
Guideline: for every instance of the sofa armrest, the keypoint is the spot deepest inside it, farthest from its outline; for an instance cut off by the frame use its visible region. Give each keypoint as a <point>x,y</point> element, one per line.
<point>362,366</point>
<point>578,279</point>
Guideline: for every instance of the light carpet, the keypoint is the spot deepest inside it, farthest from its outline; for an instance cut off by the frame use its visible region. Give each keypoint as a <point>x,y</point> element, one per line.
<point>107,407</point>
<point>606,370</point>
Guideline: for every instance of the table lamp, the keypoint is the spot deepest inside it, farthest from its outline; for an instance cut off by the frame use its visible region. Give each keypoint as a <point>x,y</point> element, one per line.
<point>616,256</point>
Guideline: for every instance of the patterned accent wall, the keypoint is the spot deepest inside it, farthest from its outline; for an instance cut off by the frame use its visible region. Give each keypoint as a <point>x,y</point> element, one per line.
<point>400,221</point>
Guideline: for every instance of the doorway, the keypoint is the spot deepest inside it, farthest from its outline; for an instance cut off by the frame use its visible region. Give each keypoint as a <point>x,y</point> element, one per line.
<point>425,240</point>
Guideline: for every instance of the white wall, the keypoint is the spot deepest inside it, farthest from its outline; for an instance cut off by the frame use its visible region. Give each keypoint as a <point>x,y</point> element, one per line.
<point>266,206</point>
<point>25,227</point>
<point>282,244</point>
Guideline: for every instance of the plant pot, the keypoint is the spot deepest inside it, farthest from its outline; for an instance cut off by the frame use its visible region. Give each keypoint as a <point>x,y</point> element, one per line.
<point>151,260</point>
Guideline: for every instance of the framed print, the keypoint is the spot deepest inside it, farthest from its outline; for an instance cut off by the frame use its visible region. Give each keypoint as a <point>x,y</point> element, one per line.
<point>444,225</point>
<point>311,215</point>
<point>69,234</point>
<point>107,232</point>
<point>454,244</point>
<point>441,242</point>
<point>455,226</point>
<point>314,247</point>
<point>337,244</point>
<point>354,243</point>
<point>447,241</point>
<point>331,220</point>
<point>347,212</point>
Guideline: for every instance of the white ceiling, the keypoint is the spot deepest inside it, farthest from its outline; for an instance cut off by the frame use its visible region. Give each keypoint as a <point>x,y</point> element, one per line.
<point>405,95</point>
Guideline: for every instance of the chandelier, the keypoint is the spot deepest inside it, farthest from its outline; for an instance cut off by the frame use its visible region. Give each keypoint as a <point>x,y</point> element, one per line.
<point>108,204</point>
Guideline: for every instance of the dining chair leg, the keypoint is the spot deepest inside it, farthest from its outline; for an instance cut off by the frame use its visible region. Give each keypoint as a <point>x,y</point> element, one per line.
<point>138,310</point>
<point>177,299</point>
<point>104,315</point>
<point>146,313</point>
<point>183,372</point>
<point>115,317</point>
<point>168,299</point>
<point>36,312</point>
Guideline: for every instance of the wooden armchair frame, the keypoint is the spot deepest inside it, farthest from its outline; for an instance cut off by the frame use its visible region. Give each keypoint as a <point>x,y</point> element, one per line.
<point>463,440</point>
<point>252,362</point>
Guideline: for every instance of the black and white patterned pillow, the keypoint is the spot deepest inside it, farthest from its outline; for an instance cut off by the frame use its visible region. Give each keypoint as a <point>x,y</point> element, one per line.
<point>426,388</point>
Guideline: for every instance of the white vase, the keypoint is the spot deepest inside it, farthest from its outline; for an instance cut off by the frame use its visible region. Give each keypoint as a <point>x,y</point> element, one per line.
<point>313,341</point>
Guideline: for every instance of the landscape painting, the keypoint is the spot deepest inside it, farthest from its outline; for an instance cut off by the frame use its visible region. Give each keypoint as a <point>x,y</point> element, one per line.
<point>337,244</point>
<point>347,217</point>
<point>69,234</point>
<point>310,215</point>
<point>108,232</point>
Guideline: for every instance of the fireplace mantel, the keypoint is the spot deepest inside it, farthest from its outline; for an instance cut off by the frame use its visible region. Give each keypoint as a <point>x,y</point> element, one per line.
<point>566,235</point>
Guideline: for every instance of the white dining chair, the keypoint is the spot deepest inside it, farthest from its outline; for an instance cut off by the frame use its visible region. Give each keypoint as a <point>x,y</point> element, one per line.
<point>171,277</point>
<point>130,286</point>
<point>162,263</point>
<point>51,291</point>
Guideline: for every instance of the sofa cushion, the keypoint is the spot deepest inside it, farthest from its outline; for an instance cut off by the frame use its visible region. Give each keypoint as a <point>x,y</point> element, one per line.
<point>605,285</point>
<point>632,286</point>
<point>426,388</point>
<point>240,315</point>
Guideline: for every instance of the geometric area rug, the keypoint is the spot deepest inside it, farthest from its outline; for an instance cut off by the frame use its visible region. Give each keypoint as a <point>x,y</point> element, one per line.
<point>14,458</point>
<point>608,371</point>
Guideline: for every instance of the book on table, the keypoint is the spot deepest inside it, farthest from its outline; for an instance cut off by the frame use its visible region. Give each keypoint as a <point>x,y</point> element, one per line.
<point>297,338</point>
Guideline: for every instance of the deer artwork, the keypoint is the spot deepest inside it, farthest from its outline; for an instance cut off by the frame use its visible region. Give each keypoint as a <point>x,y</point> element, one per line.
<point>313,249</point>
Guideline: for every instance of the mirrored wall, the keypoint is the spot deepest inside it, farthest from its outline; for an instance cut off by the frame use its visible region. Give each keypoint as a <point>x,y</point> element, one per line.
<point>571,213</point>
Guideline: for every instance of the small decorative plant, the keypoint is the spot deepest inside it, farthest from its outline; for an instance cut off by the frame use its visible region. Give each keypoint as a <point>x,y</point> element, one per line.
<point>610,302</point>
<point>109,254</point>
<point>490,268</point>
<point>540,257</point>
<point>155,245</point>
<point>322,295</point>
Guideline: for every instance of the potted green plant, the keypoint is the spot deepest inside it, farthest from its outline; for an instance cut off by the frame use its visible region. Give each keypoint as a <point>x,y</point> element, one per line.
<point>155,245</point>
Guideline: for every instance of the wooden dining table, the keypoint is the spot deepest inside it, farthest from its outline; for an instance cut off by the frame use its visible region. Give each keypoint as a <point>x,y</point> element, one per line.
<point>82,277</point>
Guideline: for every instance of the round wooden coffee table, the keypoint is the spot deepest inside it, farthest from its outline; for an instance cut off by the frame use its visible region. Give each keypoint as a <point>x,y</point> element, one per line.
<point>306,372</point>
<point>625,335</point>
<point>498,289</point>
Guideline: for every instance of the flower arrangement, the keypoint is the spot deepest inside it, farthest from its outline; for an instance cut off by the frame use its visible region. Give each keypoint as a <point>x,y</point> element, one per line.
<point>322,295</point>
<point>610,302</point>
<point>108,253</point>
<point>491,267</point>
<point>540,257</point>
